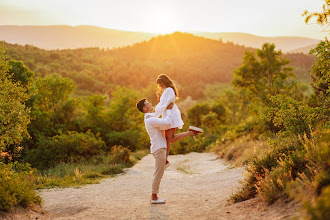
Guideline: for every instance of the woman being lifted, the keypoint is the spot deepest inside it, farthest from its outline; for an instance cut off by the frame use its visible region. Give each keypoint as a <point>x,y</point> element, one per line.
<point>167,93</point>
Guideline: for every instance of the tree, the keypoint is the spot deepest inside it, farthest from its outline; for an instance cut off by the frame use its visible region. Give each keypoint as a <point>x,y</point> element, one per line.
<point>322,17</point>
<point>51,90</point>
<point>20,73</point>
<point>265,75</point>
<point>321,70</point>
<point>14,116</point>
<point>196,112</point>
<point>53,109</point>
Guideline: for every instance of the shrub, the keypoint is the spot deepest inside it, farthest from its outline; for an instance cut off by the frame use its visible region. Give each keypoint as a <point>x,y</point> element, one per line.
<point>120,154</point>
<point>128,138</point>
<point>321,208</point>
<point>247,191</point>
<point>70,147</point>
<point>272,186</point>
<point>196,112</point>
<point>17,186</point>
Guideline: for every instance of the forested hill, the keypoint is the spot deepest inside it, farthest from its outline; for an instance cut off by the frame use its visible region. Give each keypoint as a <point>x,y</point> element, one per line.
<point>191,61</point>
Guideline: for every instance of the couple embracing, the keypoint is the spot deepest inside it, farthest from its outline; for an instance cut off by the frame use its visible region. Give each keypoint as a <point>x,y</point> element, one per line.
<point>162,130</point>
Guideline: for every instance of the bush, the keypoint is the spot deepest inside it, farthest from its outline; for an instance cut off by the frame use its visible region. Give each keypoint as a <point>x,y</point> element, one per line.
<point>272,186</point>
<point>321,208</point>
<point>17,186</point>
<point>129,138</point>
<point>120,154</point>
<point>70,147</point>
<point>196,112</point>
<point>248,190</point>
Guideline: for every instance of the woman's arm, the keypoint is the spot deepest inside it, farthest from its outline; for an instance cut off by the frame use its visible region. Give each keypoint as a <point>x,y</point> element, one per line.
<point>165,100</point>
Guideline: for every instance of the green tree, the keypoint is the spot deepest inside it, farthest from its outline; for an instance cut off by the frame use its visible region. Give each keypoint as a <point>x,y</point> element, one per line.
<point>321,80</point>
<point>125,121</point>
<point>14,116</point>
<point>51,91</point>
<point>196,112</point>
<point>20,73</point>
<point>53,110</point>
<point>95,118</point>
<point>265,75</point>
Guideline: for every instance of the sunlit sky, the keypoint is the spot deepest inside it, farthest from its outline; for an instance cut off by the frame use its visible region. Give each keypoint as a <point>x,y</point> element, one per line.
<point>258,17</point>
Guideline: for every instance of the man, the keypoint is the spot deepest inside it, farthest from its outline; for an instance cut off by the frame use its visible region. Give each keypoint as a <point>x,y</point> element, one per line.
<point>158,143</point>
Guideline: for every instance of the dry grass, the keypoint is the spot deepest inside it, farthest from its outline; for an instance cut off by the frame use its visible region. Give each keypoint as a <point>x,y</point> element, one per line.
<point>241,149</point>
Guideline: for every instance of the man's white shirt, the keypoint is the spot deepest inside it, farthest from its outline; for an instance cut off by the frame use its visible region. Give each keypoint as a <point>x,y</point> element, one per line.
<point>153,124</point>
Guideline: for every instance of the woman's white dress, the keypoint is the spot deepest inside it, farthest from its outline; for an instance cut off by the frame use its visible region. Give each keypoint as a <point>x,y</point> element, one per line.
<point>168,97</point>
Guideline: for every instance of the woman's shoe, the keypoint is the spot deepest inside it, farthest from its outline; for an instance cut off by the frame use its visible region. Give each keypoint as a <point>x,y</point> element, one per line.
<point>199,130</point>
<point>196,131</point>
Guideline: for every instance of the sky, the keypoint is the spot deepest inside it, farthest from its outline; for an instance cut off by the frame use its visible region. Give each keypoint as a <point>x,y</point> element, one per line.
<point>258,17</point>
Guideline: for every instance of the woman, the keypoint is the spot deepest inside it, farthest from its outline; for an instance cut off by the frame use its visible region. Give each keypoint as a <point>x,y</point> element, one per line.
<point>167,93</point>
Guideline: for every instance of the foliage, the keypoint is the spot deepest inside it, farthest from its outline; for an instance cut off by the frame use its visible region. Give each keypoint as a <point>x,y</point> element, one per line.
<point>20,73</point>
<point>179,55</point>
<point>14,115</point>
<point>196,112</point>
<point>296,161</point>
<point>320,210</point>
<point>120,154</point>
<point>51,91</point>
<point>69,147</point>
<point>322,17</point>
<point>86,172</point>
<point>125,120</point>
<point>265,75</point>
<point>321,79</point>
<point>17,186</point>
<point>289,115</point>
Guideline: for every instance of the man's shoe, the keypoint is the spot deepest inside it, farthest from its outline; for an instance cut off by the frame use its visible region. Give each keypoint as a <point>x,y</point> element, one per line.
<point>196,129</point>
<point>158,201</point>
<point>167,165</point>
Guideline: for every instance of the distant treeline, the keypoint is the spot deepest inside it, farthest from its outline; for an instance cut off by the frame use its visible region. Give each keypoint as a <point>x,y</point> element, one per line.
<point>193,62</point>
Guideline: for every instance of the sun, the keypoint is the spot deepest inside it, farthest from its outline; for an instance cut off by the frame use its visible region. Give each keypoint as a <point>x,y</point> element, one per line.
<point>162,22</point>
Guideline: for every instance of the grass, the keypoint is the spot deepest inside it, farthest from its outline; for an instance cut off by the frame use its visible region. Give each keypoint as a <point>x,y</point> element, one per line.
<point>78,174</point>
<point>184,168</point>
<point>241,150</point>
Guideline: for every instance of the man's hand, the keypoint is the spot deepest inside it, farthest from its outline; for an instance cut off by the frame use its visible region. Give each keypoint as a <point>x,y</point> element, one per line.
<point>170,106</point>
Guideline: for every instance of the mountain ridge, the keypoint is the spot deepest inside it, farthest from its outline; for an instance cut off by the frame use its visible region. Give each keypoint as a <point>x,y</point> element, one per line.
<point>52,37</point>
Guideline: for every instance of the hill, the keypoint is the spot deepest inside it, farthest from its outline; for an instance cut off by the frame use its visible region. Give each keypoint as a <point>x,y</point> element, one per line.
<point>192,61</point>
<point>72,37</point>
<point>286,44</point>
<point>304,50</point>
<point>68,37</point>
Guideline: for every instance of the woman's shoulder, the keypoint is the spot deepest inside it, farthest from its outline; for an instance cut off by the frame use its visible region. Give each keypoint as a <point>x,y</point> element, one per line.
<point>169,89</point>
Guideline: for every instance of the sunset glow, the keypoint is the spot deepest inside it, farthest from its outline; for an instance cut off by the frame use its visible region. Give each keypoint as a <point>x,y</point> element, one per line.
<point>258,17</point>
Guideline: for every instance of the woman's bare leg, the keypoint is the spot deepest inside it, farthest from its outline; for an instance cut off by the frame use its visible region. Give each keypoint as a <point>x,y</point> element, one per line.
<point>172,137</point>
<point>168,146</point>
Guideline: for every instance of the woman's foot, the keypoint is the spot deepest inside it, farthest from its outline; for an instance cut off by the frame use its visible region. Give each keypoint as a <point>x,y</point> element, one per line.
<point>196,131</point>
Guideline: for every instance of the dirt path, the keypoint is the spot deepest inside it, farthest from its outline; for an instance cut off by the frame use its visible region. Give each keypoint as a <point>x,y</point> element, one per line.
<point>196,186</point>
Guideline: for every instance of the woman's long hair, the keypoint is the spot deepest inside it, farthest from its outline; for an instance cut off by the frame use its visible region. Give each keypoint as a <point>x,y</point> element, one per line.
<point>164,82</point>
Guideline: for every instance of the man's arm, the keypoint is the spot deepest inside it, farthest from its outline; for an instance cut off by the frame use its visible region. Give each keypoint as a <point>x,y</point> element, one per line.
<point>158,122</point>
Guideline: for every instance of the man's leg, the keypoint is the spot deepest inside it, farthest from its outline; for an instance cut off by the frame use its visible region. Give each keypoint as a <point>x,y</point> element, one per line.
<point>160,159</point>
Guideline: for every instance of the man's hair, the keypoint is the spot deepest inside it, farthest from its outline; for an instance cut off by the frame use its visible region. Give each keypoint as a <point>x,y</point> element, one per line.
<point>140,105</point>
